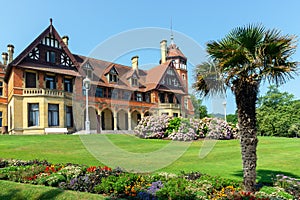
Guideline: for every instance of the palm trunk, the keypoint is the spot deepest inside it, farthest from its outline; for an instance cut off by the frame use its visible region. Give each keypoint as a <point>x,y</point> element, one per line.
<point>246,96</point>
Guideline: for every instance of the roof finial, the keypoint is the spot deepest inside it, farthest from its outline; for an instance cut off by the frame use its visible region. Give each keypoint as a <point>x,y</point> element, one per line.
<point>172,36</point>
<point>51,26</point>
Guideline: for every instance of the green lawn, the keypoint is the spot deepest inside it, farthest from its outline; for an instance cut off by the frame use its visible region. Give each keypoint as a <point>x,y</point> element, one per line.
<point>275,155</point>
<point>11,190</point>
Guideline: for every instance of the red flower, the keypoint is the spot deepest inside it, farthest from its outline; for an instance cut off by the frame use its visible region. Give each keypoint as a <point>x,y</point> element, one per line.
<point>91,169</point>
<point>105,168</point>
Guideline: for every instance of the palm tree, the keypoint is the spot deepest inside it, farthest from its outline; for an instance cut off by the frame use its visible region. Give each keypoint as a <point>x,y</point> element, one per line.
<point>243,59</point>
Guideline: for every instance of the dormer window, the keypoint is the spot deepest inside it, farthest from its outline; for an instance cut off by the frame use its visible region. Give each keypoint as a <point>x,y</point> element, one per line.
<point>113,78</point>
<point>88,70</point>
<point>88,73</point>
<point>113,75</point>
<point>134,82</point>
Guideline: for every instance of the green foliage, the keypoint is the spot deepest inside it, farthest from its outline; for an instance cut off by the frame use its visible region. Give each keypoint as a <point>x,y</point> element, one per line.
<point>273,192</point>
<point>200,110</point>
<point>118,184</point>
<point>176,189</point>
<point>54,179</point>
<point>232,118</point>
<point>278,114</point>
<point>174,124</point>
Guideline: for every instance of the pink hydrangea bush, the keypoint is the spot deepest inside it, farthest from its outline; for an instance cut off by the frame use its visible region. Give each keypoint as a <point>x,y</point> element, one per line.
<point>152,127</point>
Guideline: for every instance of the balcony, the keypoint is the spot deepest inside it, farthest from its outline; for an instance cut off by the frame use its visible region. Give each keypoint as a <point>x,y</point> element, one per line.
<point>42,92</point>
<point>169,106</point>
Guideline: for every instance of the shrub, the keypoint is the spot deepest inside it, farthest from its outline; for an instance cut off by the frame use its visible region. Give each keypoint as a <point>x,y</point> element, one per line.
<point>289,184</point>
<point>176,189</point>
<point>174,125</point>
<point>218,129</point>
<point>54,179</point>
<point>152,127</point>
<point>273,193</point>
<point>183,129</point>
<point>70,171</point>
<point>185,132</point>
<point>150,192</point>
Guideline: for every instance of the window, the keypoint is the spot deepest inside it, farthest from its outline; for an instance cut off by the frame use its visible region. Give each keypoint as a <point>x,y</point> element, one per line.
<point>115,94</point>
<point>113,78</point>
<point>99,92</point>
<point>53,115</point>
<point>165,113</point>
<point>126,95</point>
<point>65,60</point>
<point>171,98</point>
<point>139,97</point>
<point>34,54</point>
<point>147,97</point>
<point>186,103</point>
<point>30,81</point>
<point>88,73</point>
<point>50,82</point>
<point>134,82</point>
<point>183,77</point>
<point>50,56</point>
<point>51,41</point>
<point>162,97</point>
<point>1,88</point>
<point>88,70</point>
<point>0,118</point>
<point>33,114</point>
<point>113,75</point>
<point>69,116</point>
<point>68,85</point>
<point>108,93</point>
<point>175,114</point>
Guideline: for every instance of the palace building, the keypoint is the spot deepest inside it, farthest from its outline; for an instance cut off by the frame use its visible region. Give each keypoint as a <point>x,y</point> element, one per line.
<point>42,87</point>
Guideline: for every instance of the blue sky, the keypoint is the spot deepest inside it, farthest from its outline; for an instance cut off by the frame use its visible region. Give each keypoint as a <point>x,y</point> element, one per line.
<point>93,23</point>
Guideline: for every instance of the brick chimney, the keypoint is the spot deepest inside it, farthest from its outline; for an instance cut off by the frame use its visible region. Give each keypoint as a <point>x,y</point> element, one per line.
<point>135,63</point>
<point>163,51</point>
<point>65,39</point>
<point>10,50</point>
<point>4,58</point>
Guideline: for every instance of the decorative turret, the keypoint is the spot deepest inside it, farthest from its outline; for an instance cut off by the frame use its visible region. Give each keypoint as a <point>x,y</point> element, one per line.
<point>179,60</point>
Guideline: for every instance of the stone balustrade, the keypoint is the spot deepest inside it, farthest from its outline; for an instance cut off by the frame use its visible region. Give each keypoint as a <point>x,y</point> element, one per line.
<point>42,92</point>
<point>169,106</point>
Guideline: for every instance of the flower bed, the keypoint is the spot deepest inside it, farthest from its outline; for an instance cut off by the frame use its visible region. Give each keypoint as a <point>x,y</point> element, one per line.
<point>119,184</point>
<point>183,129</point>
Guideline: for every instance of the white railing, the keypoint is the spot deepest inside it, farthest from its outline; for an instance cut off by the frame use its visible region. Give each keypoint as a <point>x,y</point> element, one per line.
<point>38,92</point>
<point>169,105</point>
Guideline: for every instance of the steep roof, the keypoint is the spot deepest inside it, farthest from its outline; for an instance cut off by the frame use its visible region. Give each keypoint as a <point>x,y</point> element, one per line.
<point>49,30</point>
<point>174,51</point>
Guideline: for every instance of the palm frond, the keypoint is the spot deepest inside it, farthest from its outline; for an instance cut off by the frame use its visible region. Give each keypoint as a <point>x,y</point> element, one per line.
<point>208,80</point>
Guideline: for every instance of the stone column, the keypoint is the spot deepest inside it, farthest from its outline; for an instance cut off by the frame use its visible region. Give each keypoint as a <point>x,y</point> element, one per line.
<point>142,115</point>
<point>129,120</point>
<point>99,121</point>
<point>115,121</point>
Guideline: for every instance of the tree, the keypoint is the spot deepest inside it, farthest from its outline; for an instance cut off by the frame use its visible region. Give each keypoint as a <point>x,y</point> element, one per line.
<point>243,59</point>
<point>278,114</point>
<point>232,118</point>
<point>200,110</point>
